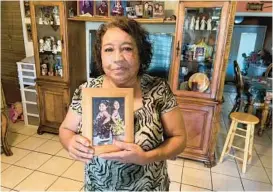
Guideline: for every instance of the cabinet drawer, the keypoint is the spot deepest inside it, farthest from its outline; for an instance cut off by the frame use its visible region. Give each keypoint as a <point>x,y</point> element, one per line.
<point>28,73</point>
<point>33,120</point>
<point>28,81</point>
<point>30,96</point>
<point>28,66</point>
<point>32,108</point>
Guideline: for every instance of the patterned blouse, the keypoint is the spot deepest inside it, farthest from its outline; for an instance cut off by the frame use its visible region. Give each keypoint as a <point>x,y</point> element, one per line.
<point>106,175</point>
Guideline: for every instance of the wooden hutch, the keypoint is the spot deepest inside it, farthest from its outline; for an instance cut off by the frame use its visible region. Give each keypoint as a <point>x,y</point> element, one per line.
<point>59,50</point>
<point>196,73</point>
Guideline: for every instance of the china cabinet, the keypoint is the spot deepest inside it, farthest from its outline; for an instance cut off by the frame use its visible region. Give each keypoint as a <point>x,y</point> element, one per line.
<point>202,42</point>
<point>59,50</point>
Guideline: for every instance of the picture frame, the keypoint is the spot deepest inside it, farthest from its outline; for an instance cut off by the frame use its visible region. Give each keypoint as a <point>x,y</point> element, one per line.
<point>199,53</point>
<point>107,115</point>
<point>134,9</point>
<point>148,9</point>
<point>27,9</point>
<point>85,6</point>
<point>117,8</point>
<point>159,9</point>
<point>102,8</point>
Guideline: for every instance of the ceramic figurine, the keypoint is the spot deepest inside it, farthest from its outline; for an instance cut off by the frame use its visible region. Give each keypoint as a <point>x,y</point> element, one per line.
<point>54,49</point>
<point>56,16</point>
<point>47,44</point>
<point>44,69</point>
<point>192,23</point>
<point>40,20</point>
<point>203,24</point>
<point>71,12</point>
<point>197,23</point>
<point>59,46</point>
<point>41,41</point>
<point>51,63</point>
<point>186,25</point>
<point>209,24</point>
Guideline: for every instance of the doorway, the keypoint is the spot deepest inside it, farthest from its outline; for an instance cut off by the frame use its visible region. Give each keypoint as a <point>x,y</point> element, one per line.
<point>245,39</point>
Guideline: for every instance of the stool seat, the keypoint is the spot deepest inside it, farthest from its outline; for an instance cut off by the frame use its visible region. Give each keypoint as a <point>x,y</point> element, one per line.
<point>245,118</point>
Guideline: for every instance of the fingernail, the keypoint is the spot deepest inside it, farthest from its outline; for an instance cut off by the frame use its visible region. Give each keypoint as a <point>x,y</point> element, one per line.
<point>91,151</point>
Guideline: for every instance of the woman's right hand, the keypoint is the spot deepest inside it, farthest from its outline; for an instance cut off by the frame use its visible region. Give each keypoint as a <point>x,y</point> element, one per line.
<point>79,148</point>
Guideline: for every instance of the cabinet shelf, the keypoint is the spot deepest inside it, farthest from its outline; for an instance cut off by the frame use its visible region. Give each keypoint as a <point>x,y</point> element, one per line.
<point>107,19</point>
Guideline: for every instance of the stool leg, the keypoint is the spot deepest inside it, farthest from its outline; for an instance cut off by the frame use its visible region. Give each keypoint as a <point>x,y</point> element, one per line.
<point>227,140</point>
<point>246,150</point>
<point>251,143</point>
<point>232,135</point>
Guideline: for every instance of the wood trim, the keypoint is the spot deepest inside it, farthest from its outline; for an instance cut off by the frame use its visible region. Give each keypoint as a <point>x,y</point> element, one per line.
<point>108,19</point>
<point>229,32</point>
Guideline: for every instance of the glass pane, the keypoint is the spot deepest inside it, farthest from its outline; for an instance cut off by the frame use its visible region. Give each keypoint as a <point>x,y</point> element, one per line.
<point>200,32</point>
<point>49,37</point>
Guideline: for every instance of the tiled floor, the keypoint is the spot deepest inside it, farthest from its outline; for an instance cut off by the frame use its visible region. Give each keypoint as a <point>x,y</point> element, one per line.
<point>40,163</point>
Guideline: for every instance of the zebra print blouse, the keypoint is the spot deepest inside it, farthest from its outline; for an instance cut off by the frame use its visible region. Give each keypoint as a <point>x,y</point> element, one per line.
<point>106,175</point>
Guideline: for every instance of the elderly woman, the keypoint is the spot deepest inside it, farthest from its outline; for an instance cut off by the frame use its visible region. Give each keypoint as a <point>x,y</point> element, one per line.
<point>123,53</point>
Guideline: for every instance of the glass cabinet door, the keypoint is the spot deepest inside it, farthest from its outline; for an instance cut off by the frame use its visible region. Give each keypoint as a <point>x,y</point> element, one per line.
<point>199,39</point>
<point>49,48</point>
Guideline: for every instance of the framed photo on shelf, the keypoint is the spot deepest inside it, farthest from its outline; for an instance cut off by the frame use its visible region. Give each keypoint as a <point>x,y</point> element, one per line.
<point>199,53</point>
<point>107,115</point>
<point>85,7</point>
<point>102,8</point>
<point>159,9</point>
<point>117,8</point>
<point>27,9</point>
<point>148,9</point>
<point>134,9</point>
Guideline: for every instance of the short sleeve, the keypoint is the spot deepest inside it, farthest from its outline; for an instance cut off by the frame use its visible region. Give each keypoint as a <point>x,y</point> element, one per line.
<point>169,100</point>
<point>76,103</point>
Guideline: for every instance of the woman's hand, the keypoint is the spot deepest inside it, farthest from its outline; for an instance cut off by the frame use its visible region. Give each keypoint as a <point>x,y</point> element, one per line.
<point>79,149</point>
<point>131,153</point>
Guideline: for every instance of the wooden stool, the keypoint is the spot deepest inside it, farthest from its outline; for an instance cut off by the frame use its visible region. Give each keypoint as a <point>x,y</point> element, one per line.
<point>250,121</point>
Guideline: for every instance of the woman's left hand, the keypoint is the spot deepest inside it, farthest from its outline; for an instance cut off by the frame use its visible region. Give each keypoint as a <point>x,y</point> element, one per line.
<point>131,153</point>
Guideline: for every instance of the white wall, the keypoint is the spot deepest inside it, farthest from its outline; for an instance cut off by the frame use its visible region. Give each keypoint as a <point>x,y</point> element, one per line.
<point>28,44</point>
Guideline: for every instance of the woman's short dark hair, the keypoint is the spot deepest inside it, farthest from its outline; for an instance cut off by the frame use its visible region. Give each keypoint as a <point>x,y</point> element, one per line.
<point>133,28</point>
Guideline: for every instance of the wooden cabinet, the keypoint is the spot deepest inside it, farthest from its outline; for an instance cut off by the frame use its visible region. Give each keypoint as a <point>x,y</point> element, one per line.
<point>202,42</point>
<point>59,50</point>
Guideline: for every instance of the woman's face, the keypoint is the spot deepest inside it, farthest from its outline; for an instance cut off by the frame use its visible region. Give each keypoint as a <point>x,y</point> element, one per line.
<point>116,105</point>
<point>119,55</point>
<point>102,107</point>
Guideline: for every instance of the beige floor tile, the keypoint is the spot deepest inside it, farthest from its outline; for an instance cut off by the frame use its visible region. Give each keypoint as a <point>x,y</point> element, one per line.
<point>33,160</point>
<point>17,155</point>
<point>27,130</point>
<point>192,188</point>
<point>44,135</point>
<point>177,161</point>
<point>269,173</point>
<point>56,165</point>
<point>195,164</point>
<point>15,138</point>
<point>226,183</point>
<point>63,153</point>
<point>255,159</point>
<point>174,186</point>
<point>37,181</point>
<point>5,189</point>
<point>264,140</point>
<point>262,150</point>
<point>256,186</point>
<point>4,166</point>
<point>55,138</point>
<point>218,152</point>
<point>198,178</point>
<point>16,126</point>
<point>31,143</point>
<point>175,172</point>
<point>221,139</point>
<point>50,147</point>
<point>266,161</point>
<point>255,174</point>
<point>226,168</point>
<point>75,172</point>
<point>13,176</point>
<point>63,184</point>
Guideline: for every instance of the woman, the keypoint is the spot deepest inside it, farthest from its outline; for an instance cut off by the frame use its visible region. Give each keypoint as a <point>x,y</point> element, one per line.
<point>123,53</point>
